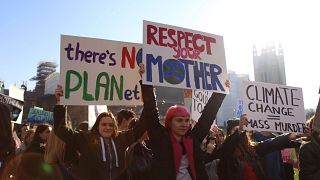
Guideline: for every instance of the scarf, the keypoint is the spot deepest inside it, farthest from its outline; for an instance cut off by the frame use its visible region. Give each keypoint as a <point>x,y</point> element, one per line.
<point>177,153</point>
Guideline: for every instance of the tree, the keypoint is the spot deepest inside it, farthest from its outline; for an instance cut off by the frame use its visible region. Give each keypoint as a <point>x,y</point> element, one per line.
<point>44,69</point>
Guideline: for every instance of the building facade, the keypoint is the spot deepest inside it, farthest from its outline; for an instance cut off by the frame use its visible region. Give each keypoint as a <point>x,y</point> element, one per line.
<point>228,107</point>
<point>269,65</point>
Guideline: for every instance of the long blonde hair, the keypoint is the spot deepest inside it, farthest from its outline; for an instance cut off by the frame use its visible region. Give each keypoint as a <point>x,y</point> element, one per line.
<point>55,149</point>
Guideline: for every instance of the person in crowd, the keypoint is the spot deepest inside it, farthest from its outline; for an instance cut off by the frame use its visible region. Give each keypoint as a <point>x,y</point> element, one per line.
<point>309,156</point>
<point>61,157</point>
<point>138,157</point>
<point>219,135</point>
<point>32,159</point>
<point>271,162</point>
<point>83,126</point>
<point>211,158</point>
<point>102,150</point>
<point>24,128</point>
<point>241,156</point>
<point>7,143</point>
<point>40,139</point>
<point>176,147</point>
<point>124,117</point>
<point>28,136</point>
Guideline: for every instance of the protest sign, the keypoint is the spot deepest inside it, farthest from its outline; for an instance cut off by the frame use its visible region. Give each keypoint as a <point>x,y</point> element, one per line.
<point>93,113</point>
<point>316,121</point>
<point>183,58</point>
<point>199,100</point>
<point>17,93</point>
<point>40,116</point>
<point>15,106</point>
<point>273,108</point>
<point>99,72</point>
<point>239,108</point>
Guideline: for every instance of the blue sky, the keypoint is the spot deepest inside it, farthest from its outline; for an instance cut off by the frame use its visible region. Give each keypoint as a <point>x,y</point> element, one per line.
<point>30,31</point>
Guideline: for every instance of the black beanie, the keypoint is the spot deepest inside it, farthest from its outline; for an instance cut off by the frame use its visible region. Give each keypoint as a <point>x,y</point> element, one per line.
<point>231,124</point>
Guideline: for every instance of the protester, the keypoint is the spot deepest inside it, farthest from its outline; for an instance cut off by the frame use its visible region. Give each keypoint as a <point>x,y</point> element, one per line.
<point>241,156</point>
<point>138,157</point>
<point>271,162</point>
<point>26,141</point>
<point>7,144</point>
<point>103,148</point>
<point>176,148</point>
<point>124,117</point>
<point>61,157</point>
<point>23,130</point>
<point>83,126</point>
<point>32,160</point>
<point>309,156</point>
<point>211,158</point>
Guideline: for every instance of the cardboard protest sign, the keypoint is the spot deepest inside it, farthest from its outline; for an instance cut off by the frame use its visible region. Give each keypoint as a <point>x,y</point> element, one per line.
<point>99,72</point>
<point>17,93</point>
<point>199,100</point>
<point>239,108</point>
<point>316,121</point>
<point>40,116</point>
<point>183,58</point>
<point>273,108</point>
<point>15,106</point>
<point>93,113</point>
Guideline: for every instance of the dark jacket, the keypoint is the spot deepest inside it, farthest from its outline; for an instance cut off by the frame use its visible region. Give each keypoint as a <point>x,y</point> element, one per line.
<point>91,165</point>
<point>309,157</point>
<point>163,167</point>
<point>231,166</point>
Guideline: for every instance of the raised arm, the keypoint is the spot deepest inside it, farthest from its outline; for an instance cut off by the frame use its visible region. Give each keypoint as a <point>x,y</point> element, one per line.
<point>208,115</point>
<point>154,128</point>
<point>66,134</point>
<point>278,143</point>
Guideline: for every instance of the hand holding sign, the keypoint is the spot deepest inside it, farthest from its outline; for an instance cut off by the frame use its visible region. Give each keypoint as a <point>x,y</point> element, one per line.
<point>141,69</point>
<point>306,133</point>
<point>228,84</point>
<point>58,93</point>
<point>243,122</point>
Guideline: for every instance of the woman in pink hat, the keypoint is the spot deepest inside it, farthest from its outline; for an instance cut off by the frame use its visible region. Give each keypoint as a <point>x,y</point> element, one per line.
<point>176,147</point>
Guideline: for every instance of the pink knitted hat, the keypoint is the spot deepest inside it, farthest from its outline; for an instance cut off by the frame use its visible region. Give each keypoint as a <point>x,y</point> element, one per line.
<point>175,111</point>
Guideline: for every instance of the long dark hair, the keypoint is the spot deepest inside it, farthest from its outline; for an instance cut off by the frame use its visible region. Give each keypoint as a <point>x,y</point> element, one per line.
<point>95,127</point>
<point>36,138</point>
<point>7,143</point>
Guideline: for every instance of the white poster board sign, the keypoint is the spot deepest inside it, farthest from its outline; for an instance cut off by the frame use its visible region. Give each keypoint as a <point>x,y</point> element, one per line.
<point>273,108</point>
<point>17,93</point>
<point>99,72</point>
<point>93,113</point>
<point>183,58</point>
<point>199,100</point>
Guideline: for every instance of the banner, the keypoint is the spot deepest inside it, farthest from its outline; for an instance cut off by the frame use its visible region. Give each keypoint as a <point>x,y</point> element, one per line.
<point>199,101</point>
<point>15,106</point>
<point>17,93</point>
<point>40,116</point>
<point>183,58</point>
<point>239,108</point>
<point>93,113</point>
<point>273,108</point>
<point>99,72</point>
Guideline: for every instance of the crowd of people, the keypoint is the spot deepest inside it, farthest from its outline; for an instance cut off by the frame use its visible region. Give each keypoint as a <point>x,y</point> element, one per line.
<point>127,147</point>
